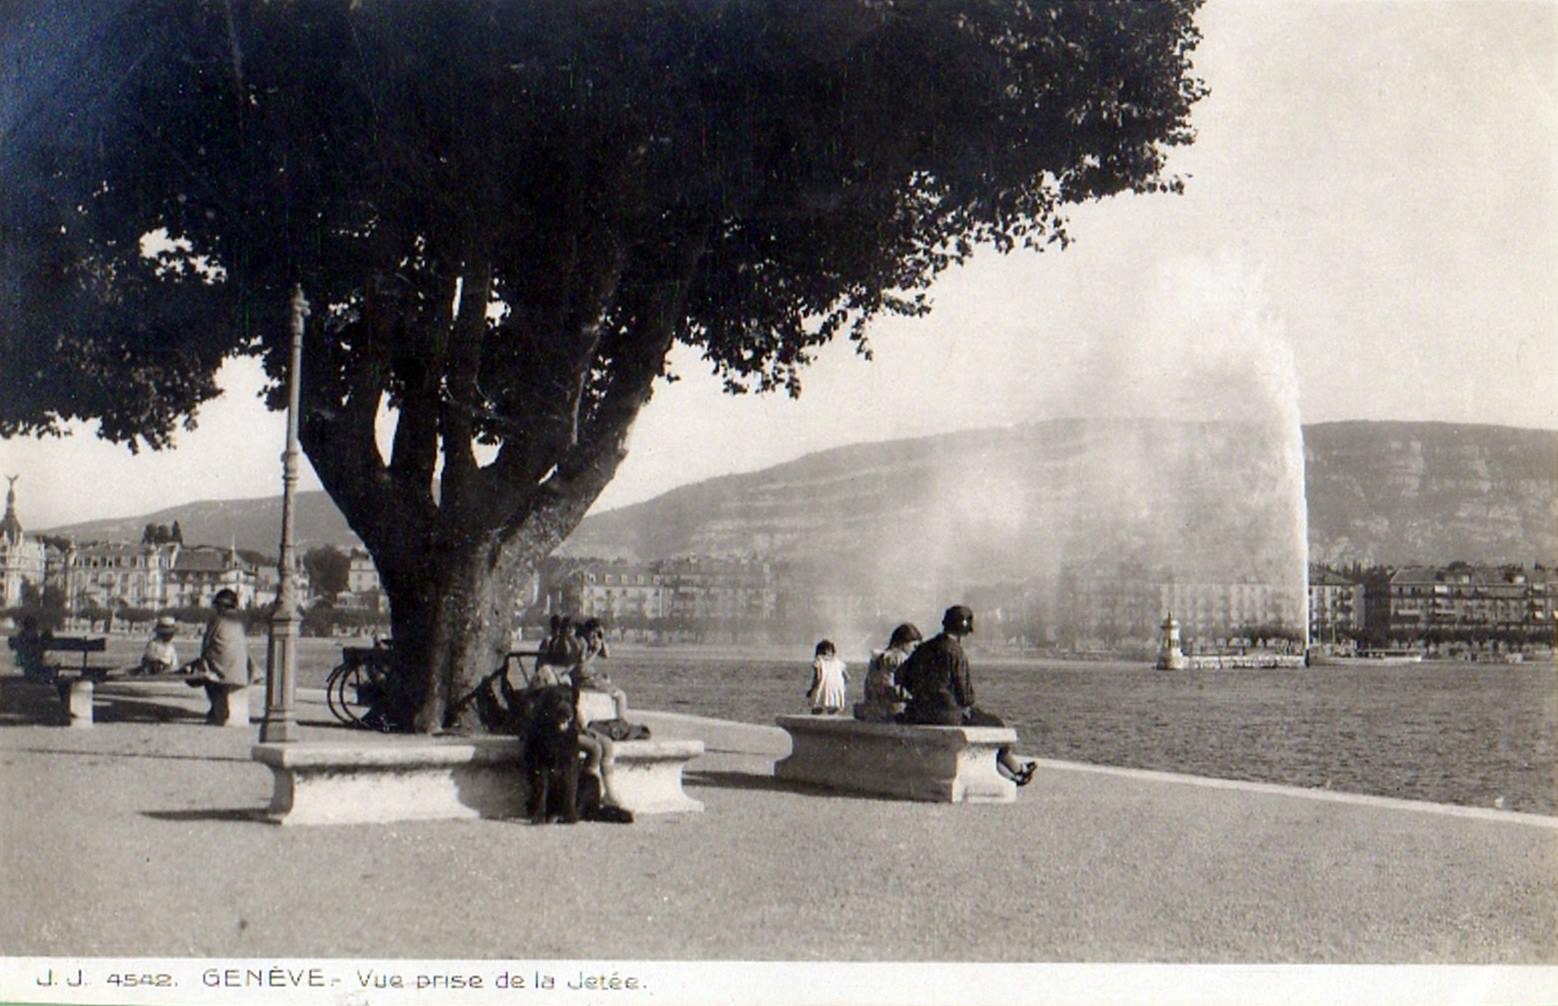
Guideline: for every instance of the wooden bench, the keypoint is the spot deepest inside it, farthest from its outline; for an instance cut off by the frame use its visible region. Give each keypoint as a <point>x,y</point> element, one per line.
<point>75,691</point>
<point>58,644</point>
<point>410,779</point>
<point>939,764</point>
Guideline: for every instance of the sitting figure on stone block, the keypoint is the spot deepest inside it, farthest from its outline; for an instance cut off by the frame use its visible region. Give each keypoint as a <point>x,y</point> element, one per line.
<point>223,664</point>
<point>941,689</point>
<point>829,689</point>
<point>587,674</point>
<point>30,647</point>
<point>884,699</point>
<point>160,656</point>
<point>559,653</point>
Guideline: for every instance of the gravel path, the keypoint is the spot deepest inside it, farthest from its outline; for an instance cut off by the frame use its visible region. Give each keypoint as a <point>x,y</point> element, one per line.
<point>140,838</point>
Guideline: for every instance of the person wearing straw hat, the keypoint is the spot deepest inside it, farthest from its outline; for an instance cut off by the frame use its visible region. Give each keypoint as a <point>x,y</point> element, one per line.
<point>160,656</point>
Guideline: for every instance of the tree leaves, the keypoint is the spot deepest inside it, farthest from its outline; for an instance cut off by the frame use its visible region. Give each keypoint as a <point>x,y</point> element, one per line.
<point>752,179</point>
<point>843,155</point>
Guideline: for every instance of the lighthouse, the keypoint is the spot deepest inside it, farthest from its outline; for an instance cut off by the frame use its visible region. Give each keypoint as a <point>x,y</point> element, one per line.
<point>1170,656</point>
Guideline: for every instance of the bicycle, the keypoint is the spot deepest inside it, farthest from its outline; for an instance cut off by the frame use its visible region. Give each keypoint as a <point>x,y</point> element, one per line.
<point>360,681</point>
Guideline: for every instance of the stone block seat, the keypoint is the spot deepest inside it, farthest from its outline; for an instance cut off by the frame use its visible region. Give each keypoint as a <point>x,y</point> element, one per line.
<point>937,764</point>
<point>405,779</point>
<point>78,692</point>
<point>595,705</point>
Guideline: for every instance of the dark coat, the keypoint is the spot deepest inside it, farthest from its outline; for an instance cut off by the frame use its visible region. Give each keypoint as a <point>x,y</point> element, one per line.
<point>939,683</point>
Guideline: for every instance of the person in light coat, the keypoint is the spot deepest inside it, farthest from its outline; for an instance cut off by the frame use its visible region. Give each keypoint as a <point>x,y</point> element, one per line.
<point>224,663</point>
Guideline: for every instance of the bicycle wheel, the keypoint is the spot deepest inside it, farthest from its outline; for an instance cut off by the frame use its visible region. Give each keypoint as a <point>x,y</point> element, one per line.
<point>338,698</point>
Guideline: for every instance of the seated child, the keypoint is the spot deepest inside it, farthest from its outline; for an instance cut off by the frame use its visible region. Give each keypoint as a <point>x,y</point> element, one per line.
<point>559,653</point>
<point>884,701</point>
<point>586,674</point>
<point>159,657</point>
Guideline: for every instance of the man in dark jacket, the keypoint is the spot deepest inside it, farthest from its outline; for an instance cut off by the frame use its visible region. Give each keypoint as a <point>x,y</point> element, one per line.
<point>941,688</point>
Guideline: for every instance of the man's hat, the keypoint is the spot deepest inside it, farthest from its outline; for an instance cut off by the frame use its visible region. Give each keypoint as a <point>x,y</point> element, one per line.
<point>958,619</point>
<point>225,598</point>
<point>166,622</point>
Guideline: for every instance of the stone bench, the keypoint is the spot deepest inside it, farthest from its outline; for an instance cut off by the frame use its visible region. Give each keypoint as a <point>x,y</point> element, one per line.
<point>77,693</point>
<point>436,778</point>
<point>938,764</point>
<point>595,705</point>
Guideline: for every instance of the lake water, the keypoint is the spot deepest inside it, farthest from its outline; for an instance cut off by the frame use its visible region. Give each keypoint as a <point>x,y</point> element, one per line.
<point>1450,732</point>
<point>1445,731</point>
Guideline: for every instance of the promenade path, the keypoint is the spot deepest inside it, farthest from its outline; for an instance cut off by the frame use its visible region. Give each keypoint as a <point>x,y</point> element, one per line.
<point>111,837</point>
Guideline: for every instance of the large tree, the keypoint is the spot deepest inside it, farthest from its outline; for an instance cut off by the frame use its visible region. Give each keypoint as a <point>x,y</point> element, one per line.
<point>505,214</point>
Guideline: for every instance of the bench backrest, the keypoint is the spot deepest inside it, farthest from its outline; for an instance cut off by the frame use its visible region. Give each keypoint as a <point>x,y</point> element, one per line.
<point>75,644</point>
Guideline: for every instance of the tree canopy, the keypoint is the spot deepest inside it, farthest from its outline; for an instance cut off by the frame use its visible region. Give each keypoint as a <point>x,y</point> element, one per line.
<point>504,214</point>
<point>329,569</point>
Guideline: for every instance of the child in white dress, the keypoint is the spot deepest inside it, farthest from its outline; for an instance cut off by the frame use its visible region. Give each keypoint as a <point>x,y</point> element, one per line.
<point>829,681</point>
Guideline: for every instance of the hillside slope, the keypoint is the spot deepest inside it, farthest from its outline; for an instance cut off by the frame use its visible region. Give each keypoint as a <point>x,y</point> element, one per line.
<point>1432,492</point>
<point>1377,492</point>
<point>1384,492</point>
<point>247,523</point>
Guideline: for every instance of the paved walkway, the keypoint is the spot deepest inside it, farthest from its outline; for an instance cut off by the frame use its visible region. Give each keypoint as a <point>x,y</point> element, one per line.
<point>139,838</point>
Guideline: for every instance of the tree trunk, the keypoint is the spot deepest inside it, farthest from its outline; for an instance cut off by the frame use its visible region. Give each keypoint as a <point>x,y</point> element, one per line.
<point>455,563</point>
<point>451,629</point>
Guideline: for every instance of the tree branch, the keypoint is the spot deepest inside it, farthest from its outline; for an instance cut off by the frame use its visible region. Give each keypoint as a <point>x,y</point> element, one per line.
<point>418,359</point>
<point>637,355</point>
<point>336,430</point>
<point>559,370</point>
<point>464,394</point>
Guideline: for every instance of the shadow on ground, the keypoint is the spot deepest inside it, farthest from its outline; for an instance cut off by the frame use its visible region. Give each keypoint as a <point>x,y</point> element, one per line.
<point>30,703</point>
<point>133,754</point>
<point>254,814</point>
<point>716,779</point>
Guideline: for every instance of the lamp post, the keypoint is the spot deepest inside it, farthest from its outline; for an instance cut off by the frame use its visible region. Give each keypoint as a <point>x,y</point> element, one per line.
<point>279,723</point>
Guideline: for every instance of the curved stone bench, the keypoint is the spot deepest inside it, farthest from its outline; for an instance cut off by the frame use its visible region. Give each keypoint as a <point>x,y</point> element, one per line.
<point>939,764</point>
<point>432,779</point>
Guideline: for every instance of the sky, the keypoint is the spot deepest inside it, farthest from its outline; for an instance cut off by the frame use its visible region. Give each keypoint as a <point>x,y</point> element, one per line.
<point>1371,193</point>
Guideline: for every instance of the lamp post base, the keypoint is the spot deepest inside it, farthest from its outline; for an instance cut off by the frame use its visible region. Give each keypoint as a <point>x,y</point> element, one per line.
<point>278,730</point>
<point>280,724</point>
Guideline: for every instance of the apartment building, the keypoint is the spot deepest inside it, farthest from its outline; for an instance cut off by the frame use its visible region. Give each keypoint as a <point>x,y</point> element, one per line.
<point>1336,606</point>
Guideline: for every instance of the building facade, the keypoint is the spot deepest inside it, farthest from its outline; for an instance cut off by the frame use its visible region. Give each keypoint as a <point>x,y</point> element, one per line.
<point>720,589</point>
<point>113,575</point>
<point>199,572</point>
<point>1111,605</point>
<point>1336,606</point>
<point>1475,604</point>
<point>267,583</point>
<point>109,575</point>
<point>612,590</point>
<point>364,589</point>
<point>23,562</point>
<point>684,590</point>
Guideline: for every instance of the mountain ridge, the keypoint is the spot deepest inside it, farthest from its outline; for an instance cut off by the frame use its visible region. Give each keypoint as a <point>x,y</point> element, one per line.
<point>1381,491</point>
